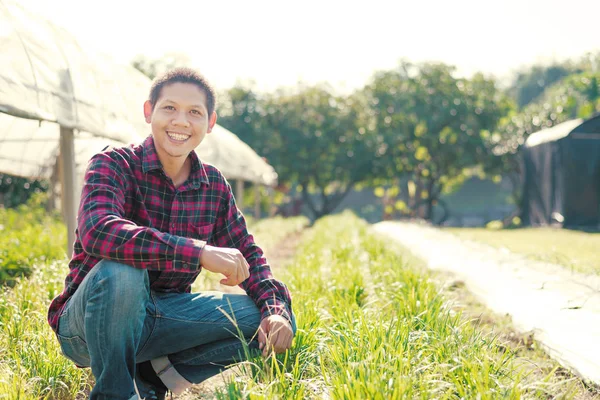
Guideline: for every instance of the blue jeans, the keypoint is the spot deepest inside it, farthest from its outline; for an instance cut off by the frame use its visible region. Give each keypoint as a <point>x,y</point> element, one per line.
<point>114,321</point>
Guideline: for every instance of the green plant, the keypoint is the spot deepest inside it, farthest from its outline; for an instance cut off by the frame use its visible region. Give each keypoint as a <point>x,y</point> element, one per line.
<point>29,236</point>
<point>371,326</point>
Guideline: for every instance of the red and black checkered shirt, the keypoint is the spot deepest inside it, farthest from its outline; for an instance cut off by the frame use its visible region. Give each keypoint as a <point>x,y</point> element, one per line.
<point>131,212</point>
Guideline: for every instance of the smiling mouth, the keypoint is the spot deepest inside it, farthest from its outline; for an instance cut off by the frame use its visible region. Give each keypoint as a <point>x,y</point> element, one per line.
<point>178,137</point>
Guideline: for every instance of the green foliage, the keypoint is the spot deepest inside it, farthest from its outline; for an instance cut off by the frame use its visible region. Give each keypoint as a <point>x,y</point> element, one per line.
<point>15,190</point>
<point>268,198</point>
<point>530,83</point>
<point>31,363</point>
<point>29,237</point>
<point>418,127</point>
<point>418,120</point>
<point>153,67</point>
<point>432,127</point>
<point>576,96</point>
<point>241,110</point>
<point>268,233</point>
<point>371,326</point>
<point>311,136</point>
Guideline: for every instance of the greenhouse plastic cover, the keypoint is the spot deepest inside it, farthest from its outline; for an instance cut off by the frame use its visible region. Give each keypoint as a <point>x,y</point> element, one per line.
<point>235,158</point>
<point>29,148</point>
<point>46,76</point>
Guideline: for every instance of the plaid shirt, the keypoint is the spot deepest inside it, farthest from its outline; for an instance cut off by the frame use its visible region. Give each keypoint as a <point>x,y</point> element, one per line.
<point>130,212</point>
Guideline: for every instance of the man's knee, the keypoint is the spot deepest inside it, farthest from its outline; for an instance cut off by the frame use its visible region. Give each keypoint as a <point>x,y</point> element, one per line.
<point>242,311</point>
<point>124,284</point>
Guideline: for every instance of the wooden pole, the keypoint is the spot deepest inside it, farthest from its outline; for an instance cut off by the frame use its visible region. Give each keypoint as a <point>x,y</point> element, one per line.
<point>270,204</point>
<point>239,193</point>
<point>257,201</point>
<point>67,180</point>
<point>51,203</point>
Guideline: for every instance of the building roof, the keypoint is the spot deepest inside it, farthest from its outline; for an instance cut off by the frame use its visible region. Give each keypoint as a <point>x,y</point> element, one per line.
<point>553,134</point>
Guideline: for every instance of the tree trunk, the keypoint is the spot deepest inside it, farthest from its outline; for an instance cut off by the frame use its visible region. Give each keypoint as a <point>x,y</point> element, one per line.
<point>429,201</point>
<point>308,200</point>
<point>328,202</point>
<point>419,209</point>
<point>446,213</point>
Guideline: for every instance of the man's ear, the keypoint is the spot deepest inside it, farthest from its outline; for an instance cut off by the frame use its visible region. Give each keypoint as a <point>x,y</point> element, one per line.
<point>212,121</point>
<point>148,111</point>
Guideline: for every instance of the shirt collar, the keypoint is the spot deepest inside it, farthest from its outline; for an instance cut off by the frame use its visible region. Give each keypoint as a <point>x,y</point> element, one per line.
<point>150,161</point>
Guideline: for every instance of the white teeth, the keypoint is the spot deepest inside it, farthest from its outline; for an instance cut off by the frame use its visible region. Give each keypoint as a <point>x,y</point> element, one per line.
<point>177,136</point>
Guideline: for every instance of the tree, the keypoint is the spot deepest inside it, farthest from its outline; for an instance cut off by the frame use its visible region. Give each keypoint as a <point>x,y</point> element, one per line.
<point>529,84</point>
<point>323,144</point>
<point>153,67</point>
<point>433,128</point>
<point>241,110</point>
<point>15,190</point>
<point>313,138</point>
<point>576,96</point>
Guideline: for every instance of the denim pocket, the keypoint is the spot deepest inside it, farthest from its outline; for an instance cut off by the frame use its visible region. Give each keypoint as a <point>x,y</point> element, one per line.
<point>75,349</point>
<point>72,346</point>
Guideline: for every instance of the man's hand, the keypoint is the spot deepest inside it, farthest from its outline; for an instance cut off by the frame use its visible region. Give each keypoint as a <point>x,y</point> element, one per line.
<point>274,334</point>
<point>229,262</point>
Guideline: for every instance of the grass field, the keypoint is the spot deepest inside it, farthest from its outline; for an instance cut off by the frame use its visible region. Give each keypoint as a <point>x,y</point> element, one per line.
<point>267,233</point>
<point>29,236</point>
<point>575,250</point>
<point>372,325</point>
<point>31,364</point>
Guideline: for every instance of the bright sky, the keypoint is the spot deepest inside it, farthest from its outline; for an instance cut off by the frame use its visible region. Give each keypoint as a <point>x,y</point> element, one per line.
<point>277,43</point>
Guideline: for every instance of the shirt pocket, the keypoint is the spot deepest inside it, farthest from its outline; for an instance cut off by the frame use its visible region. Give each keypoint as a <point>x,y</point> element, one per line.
<point>203,232</point>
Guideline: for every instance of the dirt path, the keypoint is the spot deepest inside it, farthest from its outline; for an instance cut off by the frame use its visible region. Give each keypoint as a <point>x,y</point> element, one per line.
<point>278,256</point>
<point>559,308</point>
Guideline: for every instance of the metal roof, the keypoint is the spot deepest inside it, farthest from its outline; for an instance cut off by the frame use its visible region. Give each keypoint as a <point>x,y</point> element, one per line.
<point>553,134</point>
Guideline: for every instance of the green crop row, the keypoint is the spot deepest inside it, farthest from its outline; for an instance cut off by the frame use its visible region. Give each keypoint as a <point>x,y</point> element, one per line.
<point>29,237</point>
<point>373,327</point>
<point>370,326</point>
<point>31,363</point>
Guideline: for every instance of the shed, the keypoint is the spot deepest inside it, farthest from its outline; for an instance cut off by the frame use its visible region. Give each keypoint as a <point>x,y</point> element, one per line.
<point>561,170</point>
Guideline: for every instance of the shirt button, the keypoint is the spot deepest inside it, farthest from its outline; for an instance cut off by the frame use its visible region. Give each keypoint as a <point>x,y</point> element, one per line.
<point>185,266</point>
<point>169,258</point>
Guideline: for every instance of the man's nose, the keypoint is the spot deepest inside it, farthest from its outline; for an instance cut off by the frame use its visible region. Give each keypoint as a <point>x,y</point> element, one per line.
<point>181,119</point>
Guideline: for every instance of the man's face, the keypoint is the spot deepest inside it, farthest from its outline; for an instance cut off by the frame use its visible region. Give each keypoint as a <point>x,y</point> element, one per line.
<point>179,120</point>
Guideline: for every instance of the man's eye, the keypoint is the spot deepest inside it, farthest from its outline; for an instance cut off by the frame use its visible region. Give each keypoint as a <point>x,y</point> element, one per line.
<point>169,108</point>
<point>196,112</point>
